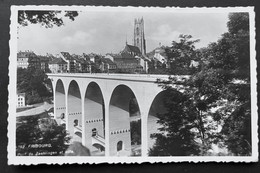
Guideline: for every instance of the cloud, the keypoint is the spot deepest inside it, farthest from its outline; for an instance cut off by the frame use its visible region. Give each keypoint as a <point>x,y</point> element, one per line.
<point>106,31</point>
<point>79,38</point>
<point>164,34</point>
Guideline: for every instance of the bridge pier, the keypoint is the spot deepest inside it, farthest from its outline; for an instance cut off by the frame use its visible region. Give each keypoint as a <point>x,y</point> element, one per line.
<point>120,138</point>
<point>144,136</point>
<point>66,112</point>
<point>107,131</point>
<point>83,121</point>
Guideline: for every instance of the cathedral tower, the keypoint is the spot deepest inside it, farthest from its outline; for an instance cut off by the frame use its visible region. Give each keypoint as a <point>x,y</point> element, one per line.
<point>139,40</point>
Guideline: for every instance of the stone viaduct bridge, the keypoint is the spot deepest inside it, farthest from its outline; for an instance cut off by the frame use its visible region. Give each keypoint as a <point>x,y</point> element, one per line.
<point>96,107</point>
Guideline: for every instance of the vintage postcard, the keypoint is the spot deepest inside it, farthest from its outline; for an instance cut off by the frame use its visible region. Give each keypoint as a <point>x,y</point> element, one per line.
<point>131,85</point>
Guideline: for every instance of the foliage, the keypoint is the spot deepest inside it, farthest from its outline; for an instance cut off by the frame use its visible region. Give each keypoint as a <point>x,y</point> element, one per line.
<point>135,127</point>
<point>177,136</point>
<point>95,68</point>
<point>33,82</point>
<point>156,67</point>
<point>180,55</point>
<point>133,106</point>
<point>46,18</point>
<point>237,129</point>
<point>218,94</point>
<point>40,136</point>
<point>238,133</point>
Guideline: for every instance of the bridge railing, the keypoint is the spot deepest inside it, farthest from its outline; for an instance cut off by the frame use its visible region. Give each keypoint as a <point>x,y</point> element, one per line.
<point>141,77</point>
<point>98,138</point>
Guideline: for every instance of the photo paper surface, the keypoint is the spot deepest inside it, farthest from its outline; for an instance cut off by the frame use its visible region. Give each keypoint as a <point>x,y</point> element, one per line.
<point>92,84</point>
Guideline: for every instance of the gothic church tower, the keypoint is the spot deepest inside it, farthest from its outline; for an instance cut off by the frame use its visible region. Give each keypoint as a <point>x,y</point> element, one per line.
<point>139,40</point>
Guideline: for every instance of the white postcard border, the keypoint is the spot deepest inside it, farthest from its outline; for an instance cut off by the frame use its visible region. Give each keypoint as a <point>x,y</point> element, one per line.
<point>28,160</point>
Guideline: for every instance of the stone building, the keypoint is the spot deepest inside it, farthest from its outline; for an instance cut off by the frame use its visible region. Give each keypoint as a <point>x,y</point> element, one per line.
<point>22,59</point>
<point>44,61</point>
<point>107,65</point>
<point>58,65</point>
<point>71,62</point>
<point>158,58</point>
<point>26,59</point>
<point>20,100</point>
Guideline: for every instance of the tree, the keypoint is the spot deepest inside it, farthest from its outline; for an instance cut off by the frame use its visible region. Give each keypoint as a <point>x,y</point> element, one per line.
<point>135,132</point>
<point>218,94</point>
<point>237,135</point>
<point>33,82</point>
<point>40,136</point>
<point>46,18</point>
<point>180,55</point>
<point>177,135</point>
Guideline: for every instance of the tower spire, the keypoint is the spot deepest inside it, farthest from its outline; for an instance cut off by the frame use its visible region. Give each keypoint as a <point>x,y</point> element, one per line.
<point>139,36</point>
<point>126,39</point>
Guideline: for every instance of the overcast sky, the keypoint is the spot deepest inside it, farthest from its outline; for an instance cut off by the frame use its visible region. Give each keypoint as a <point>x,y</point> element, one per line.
<point>106,31</point>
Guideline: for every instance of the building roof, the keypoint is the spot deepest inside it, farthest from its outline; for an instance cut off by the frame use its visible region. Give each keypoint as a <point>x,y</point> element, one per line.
<point>130,48</point>
<point>78,58</point>
<point>127,55</point>
<point>126,60</point>
<point>115,55</point>
<point>67,56</point>
<point>86,57</point>
<point>25,54</point>
<point>44,58</point>
<point>160,50</point>
<point>58,61</point>
<point>107,60</point>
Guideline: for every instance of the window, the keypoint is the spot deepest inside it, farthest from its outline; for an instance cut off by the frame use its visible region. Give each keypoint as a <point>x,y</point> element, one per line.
<point>119,146</point>
<point>76,122</point>
<point>62,116</point>
<point>137,31</point>
<point>94,132</point>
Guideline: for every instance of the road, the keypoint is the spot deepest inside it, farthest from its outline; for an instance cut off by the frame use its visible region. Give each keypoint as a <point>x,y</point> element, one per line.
<point>34,111</point>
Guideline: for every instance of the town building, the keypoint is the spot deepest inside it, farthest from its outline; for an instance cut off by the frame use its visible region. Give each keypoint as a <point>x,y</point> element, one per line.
<point>158,57</point>
<point>58,65</point>
<point>34,62</point>
<point>29,59</point>
<point>20,100</point>
<point>24,59</point>
<point>71,62</point>
<point>44,61</point>
<point>125,63</point>
<point>107,65</point>
<point>134,52</point>
<point>158,54</point>
<point>129,60</point>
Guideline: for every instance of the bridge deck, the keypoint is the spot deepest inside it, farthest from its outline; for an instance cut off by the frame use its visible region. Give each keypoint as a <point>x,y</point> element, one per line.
<point>116,76</point>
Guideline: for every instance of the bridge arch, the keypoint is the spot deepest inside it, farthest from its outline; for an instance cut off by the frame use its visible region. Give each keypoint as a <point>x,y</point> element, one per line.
<point>94,112</point>
<point>74,107</point>
<point>157,107</point>
<point>60,106</point>
<point>123,107</point>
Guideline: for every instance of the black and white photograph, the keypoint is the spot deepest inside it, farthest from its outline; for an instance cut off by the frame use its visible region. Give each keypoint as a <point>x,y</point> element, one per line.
<point>132,84</point>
